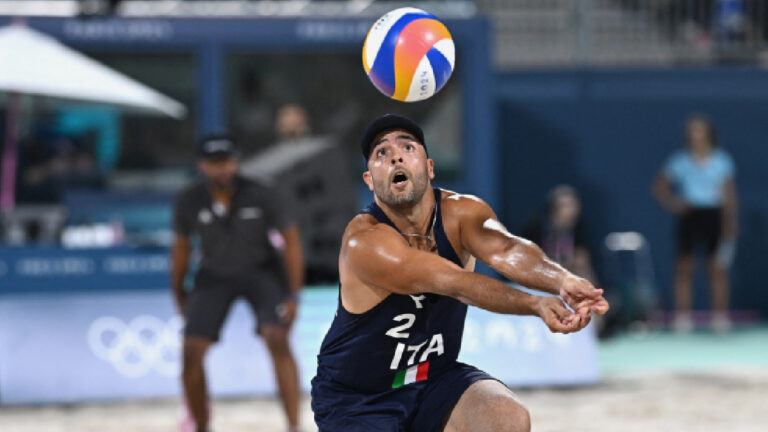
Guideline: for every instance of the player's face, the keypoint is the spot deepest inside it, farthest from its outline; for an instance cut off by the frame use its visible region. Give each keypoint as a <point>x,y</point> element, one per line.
<point>698,135</point>
<point>398,169</point>
<point>566,211</point>
<point>220,171</point>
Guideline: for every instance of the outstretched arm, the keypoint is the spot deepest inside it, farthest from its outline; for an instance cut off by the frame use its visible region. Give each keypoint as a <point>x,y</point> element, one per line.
<point>380,257</point>
<point>522,261</point>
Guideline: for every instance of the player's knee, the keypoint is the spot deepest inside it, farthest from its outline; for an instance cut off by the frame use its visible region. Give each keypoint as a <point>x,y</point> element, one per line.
<point>522,418</point>
<point>276,339</point>
<point>517,417</point>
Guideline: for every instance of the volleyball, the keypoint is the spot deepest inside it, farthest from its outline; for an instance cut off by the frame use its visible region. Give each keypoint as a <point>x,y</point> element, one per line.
<point>408,54</point>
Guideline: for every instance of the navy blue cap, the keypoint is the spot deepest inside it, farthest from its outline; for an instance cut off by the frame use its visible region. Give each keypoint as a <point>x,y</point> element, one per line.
<point>385,123</point>
<point>217,145</point>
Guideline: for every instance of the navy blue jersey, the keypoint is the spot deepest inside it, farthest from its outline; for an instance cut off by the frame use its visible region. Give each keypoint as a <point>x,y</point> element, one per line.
<point>402,340</point>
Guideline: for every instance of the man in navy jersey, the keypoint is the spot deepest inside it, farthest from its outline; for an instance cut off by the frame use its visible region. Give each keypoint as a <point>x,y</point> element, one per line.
<point>388,362</point>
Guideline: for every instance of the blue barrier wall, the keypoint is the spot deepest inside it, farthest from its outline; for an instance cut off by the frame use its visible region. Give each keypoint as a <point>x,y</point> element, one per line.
<point>608,133</point>
<point>119,344</point>
<point>53,269</point>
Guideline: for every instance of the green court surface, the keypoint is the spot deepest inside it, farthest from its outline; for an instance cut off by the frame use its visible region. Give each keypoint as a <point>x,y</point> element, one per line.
<point>700,350</point>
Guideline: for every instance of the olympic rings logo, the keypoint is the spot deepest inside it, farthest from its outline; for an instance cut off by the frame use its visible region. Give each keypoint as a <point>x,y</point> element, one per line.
<point>139,347</point>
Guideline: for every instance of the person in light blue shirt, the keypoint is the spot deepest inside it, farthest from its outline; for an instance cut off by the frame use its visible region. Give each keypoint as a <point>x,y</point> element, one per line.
<point>697,184</point>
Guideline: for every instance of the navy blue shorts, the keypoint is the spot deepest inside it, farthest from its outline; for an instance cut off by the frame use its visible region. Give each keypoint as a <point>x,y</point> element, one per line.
<point>417,407</point>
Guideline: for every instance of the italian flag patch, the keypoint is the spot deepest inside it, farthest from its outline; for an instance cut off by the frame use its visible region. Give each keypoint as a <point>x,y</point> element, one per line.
<point>413,374</point>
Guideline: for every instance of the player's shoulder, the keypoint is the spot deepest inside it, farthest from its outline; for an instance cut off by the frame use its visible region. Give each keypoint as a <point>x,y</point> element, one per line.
<point>677,163</point>
<point>365,229</point>
<point>364,224</point>
<point>458,204</point>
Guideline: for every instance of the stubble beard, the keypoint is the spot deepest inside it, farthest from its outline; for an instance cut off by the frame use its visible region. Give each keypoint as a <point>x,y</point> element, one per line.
<point>383,191</point>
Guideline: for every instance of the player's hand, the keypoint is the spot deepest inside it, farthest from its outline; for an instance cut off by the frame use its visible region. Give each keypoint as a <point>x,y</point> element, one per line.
<point>557,317</point>
<point>287,311</point>
<point>583,297</point>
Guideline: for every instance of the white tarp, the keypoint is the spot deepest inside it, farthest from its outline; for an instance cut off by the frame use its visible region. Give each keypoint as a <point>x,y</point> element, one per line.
<point>34,63</point>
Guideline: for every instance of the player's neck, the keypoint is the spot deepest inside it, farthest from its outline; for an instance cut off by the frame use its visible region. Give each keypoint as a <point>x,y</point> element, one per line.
<point>222,193</point>
<point>701,154</point>
<point>415,219</point>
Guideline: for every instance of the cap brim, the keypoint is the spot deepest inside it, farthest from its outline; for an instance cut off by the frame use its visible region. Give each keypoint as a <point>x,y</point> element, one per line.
<point>218,155</point>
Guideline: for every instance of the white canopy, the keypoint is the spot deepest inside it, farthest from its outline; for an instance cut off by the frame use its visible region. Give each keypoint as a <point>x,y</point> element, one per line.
<point>34,63</point>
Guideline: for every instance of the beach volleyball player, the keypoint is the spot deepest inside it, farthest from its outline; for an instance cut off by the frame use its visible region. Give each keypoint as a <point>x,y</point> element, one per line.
<point>388,361</point>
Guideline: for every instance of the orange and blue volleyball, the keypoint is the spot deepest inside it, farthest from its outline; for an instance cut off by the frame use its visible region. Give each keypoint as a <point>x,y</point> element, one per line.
<point>408,54</point>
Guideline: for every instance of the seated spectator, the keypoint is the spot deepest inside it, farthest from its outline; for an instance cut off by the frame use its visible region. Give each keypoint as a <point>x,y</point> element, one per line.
<point>50,163</point>
<point>559,231</point>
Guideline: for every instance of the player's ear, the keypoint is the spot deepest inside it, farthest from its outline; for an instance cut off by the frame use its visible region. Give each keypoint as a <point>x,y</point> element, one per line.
<point>431,169</point>
<point>201,166</point>
<point>368,180</point>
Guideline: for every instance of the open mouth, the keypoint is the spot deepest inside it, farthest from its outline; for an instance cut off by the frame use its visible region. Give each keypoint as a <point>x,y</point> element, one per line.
<point>399,178</point>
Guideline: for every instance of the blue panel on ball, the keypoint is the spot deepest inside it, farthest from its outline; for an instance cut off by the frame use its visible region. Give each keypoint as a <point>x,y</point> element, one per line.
<point>441,67</point>
<point>382,83</point>
<point>383,70</point>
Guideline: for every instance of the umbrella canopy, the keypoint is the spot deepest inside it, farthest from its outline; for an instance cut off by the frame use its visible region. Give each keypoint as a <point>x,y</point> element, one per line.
<point>34,63</point>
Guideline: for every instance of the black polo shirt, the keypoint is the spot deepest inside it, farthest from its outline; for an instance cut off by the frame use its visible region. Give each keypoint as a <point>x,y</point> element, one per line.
<point>234,242</point>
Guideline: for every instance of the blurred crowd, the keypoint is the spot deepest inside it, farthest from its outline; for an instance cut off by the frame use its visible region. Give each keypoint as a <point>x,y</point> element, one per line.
<point>52,161</point>
<point>705,22</point>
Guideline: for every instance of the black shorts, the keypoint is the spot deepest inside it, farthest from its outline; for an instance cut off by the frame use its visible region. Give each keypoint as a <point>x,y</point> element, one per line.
<point>416,407</point>
<point>207,306</point>
<point>702,226</point>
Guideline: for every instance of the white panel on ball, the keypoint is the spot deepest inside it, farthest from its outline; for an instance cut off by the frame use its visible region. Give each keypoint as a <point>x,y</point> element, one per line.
<point>423,84</point>
<point>446,47</point>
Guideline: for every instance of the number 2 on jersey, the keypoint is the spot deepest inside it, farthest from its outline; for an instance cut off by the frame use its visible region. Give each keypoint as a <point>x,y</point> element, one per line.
<point>397,331</point>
